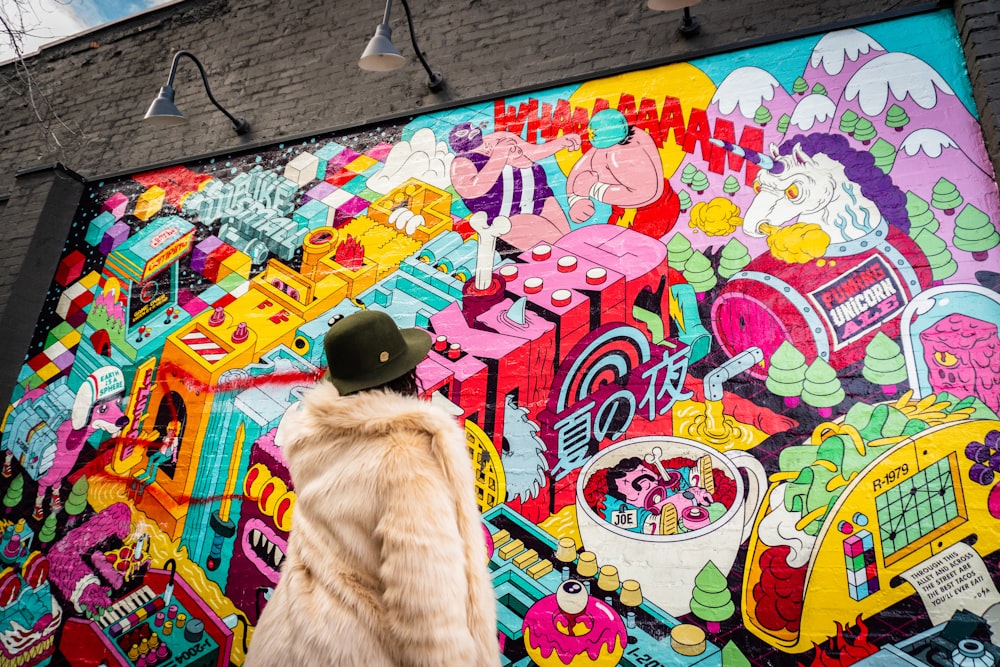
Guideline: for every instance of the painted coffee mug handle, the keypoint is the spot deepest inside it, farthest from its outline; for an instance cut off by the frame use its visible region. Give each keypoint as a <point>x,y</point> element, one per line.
<point>756,487</point>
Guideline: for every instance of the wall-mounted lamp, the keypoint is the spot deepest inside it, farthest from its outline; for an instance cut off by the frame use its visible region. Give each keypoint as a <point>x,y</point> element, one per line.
<point>381,55</point>
<point>689,24</point>
<point>164,113</point>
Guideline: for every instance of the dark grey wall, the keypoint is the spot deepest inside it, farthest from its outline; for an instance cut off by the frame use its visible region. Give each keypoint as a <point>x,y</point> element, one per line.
<point>291,69</point>
<point>34,223</point>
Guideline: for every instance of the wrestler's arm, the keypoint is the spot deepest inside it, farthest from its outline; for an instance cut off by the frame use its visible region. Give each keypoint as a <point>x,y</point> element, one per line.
<point>536,152</point>
<point>423,559</point>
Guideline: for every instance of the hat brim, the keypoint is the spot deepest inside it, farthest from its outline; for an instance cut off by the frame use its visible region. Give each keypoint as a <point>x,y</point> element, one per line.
<point>418,344</point>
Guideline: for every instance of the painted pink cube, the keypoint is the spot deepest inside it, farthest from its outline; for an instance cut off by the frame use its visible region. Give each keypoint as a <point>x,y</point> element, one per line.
<point>379,152</point>
<point>853,546</point>
<point>116,205</point>
<point>345,156</point>
<point>195,306</point>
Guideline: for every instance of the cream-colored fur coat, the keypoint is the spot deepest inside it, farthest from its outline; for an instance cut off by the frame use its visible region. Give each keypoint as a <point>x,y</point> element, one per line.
<point>386,561</point>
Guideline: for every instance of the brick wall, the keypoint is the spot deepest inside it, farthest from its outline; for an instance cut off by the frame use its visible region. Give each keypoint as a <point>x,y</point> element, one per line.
<point>292,70</point>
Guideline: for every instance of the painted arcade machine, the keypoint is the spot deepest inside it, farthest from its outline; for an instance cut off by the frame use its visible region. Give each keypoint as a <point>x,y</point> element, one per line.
<point>139,287</point>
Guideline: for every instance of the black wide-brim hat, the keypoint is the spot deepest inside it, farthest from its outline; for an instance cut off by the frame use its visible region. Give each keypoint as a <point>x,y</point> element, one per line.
<point>367,349</point>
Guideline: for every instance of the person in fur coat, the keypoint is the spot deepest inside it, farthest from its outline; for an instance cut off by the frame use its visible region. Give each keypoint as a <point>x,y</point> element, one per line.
<point>386,561</point>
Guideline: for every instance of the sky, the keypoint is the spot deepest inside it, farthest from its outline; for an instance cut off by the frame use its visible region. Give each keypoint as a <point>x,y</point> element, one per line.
<point>47,21</point>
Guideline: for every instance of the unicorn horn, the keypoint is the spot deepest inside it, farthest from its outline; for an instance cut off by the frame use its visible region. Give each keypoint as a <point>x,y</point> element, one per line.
<point>750,155</point>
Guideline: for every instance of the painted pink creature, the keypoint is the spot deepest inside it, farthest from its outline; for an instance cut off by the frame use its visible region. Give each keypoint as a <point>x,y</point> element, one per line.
<point>97,408</point>
<point>76,560</point>
<point>963,358</point>
<point>573,629</point>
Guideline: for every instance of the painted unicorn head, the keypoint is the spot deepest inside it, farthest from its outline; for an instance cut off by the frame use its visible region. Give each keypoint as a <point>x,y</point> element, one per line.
<point>820,179</point>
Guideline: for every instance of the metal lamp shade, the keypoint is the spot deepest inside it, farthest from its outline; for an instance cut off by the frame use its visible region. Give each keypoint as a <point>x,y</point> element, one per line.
<point>163,112</point>
<point>381,55</point>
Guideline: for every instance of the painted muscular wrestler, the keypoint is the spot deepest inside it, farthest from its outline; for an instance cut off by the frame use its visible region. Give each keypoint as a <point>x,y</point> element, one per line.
<point>622,169</point>
<point>499,174</point>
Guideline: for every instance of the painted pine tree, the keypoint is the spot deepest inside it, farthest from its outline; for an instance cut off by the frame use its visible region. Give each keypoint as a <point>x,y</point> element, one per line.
<point>896,118</point>
<point>15,493</point>
<point>783,122</point>
<point>699,273</point>
<point>731,185</point>
<point>975,233</point>
<point>700,182</point>
<point>821,388</point>
<point>786,373</point>
<point>920,214</point>
<point>946,197</point>
<point>687,175</point>
<point>939,258</point>
<point>762,116</point>
<point>732,656</point>
<point>76,503</point>
<point>884,154</point>
<point>799,86</point>
<point>684,199</point>
<point>884,364</point>
<point>711,600</point>
<point>47,533</point>
<point>864,131</point>
<point>735,258</point>
<point>848,121</point>
<point>679,251</point>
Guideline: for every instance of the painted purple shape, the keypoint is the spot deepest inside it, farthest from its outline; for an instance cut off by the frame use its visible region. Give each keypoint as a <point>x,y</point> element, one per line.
<point>318,192</point>
<point>64,360</point>
<point>116,205</point>
<point>202,251</point>
<point>379,152</point>
<point>342,158</point>
<point>184,295</point>
<point>114,237</point>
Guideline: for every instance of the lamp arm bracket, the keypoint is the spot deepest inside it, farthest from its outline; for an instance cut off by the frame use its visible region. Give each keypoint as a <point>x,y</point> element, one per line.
<point>241,126</point>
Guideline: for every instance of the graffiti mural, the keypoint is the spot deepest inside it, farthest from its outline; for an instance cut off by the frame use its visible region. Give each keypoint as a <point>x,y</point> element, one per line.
<point>722,334</point>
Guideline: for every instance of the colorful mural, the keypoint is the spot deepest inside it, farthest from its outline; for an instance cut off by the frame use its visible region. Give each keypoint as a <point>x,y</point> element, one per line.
<point>723,336</point>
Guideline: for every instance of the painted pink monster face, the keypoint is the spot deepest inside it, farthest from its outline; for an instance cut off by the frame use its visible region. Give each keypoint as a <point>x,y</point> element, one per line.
<point>962,354</point>
<point>641,488</point>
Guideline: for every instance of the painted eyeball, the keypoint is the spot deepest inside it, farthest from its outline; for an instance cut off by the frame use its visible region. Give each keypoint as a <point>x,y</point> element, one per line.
<point>946,359</point>
<point>571,597</point>
<point>756,187</point>
<point>792,191</point>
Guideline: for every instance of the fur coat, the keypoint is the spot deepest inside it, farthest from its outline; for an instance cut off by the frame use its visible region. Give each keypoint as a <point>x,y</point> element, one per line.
<point>386,560</point>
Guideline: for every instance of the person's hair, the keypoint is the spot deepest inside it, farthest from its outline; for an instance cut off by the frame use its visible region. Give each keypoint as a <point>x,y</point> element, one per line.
<point>407,384</point>
<point>621,469</point>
